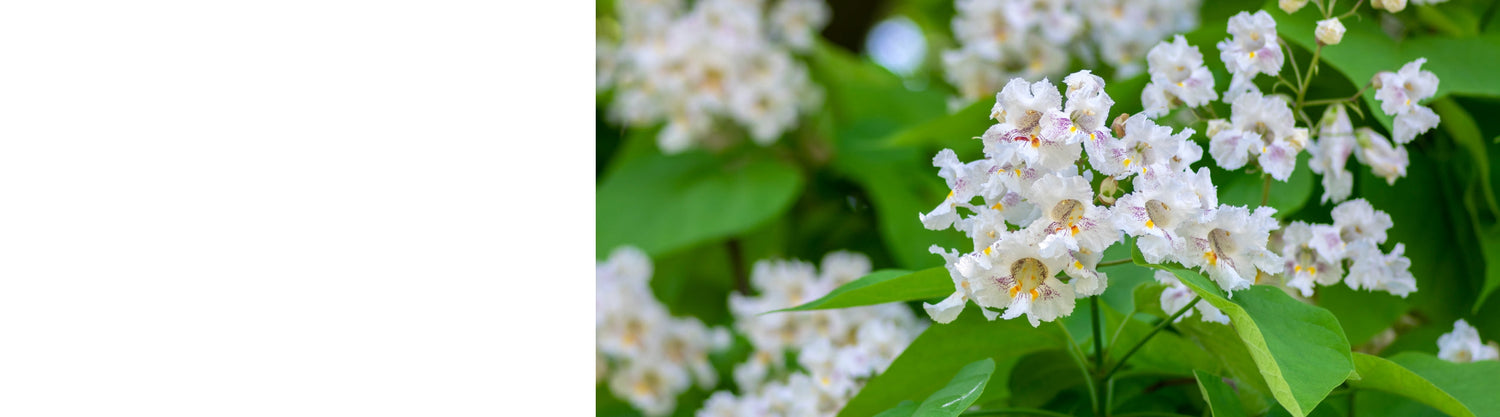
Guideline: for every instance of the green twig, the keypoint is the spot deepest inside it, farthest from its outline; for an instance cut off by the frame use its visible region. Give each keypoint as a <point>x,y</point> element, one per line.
<point>1265,189</point>
<point>1077,354</point>
<point>1115,262</point>
<point>1153,332</point>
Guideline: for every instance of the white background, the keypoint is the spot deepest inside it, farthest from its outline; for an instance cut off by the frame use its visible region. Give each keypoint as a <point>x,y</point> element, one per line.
<point>296,208</point>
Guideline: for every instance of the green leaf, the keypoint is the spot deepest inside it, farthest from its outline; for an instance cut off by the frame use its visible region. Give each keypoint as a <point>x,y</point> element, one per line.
<point>1380,374</point>
<point>885,286</point>
<point>1048,373</point>
<point>961,391</point>
<point>665,203</point>
<point>904,409</point>
<point>948,131</point>
<point>1473,384</point>
<point>1478,196</point>
<point>1219,396</point>
<point>941,350</point>
<point>899,196</point>
<point>1300,349</point>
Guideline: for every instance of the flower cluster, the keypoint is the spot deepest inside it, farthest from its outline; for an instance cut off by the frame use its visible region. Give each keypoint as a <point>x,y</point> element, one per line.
<point>1038,236</point>
<point>1463,345</point>
<point>1000,39</point>
<point>836,350</point>
<point>653,356</point>
<point>1317,253</point>
<point>721,61</point>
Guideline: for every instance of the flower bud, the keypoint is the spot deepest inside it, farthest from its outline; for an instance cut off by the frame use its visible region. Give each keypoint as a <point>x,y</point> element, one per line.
<point>1292,6</point>
<point>1215,126</point>
<point>1330,31</point>
<point>1119,124</point>
<point>1107,190</point>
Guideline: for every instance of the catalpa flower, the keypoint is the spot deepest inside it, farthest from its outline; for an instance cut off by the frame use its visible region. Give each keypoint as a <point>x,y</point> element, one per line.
<point>1385,160</point>
<point>649,386</point>
<point>1463,345</point>
<point>1375,271</point>
<point>1253,49</point>
<point>796,22</point>
<point>1177,77</point>
<point>1231,246</point>
<point>1158,207</point>
<point>1032,129</point>
<point>1307,248</point>
<point>963,289</point>
<point>1262,126</point>
<point>1330,154</point>
<point>1015,276</point>
<point>1358,220</point>
<point>1399,93</point>
<point>1071,221</point>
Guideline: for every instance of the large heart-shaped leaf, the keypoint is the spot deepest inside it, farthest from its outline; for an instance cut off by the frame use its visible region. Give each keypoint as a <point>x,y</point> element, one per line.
<point>1300,349</point>
<point>885,286</point>
<point>664,203</point>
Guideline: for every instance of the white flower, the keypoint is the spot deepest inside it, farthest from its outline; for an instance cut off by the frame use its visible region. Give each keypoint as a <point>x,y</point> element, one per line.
<point>1358,220</point>
<point>1154,212</point>
<point>1071,221</point>
<point>1330,31</point>
<point>1015,276</point>
<point>1385,161</point>
<point>1088,106</point>
<point>1176,296</point>
<point>649,386</point>
<point>1252,50</point>
<point>1177,75</point>
<point>1400,91</point>
<point>841,267</point>
<point>1263,126</point>
<point>1231,246</point>
<point>796,22</point>
<point>965,182</point>
<point>1308,258</point>
<point>1331,153</point>
<point>1463,345</point>
<point>1374,271</point>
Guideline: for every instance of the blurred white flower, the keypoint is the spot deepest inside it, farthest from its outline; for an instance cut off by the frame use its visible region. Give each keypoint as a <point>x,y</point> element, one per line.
<point>1253,49</point>
<point>1463,345</point>
<point>1176,296</point>
<point>1177,77</point>
<point>1330,154</point>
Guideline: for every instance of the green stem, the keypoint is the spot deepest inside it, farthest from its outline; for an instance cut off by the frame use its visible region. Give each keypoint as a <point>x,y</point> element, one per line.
<point>1077,354</point>
<point>1351,11</point>
<point>1098,333</point>
<point>1154,330</point>
<point>1265,189</point>
<point>1014,411</point>
<point>1102,384</point>
<point>1115,262</point>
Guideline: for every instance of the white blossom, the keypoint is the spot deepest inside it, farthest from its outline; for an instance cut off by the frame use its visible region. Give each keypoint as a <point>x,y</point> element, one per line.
<point>650,386</point>
<point>1153,213</point>
<point>1385,160</point>
<point>1374,271</point>
<point>1330,154</point>
<point>796,22</point>
<point>1463,345</point>
<point>1252,49</point>
<point>1392,6</point>
<point>1310,257</point>
<point>1015,276</point>
<point>1262,126</point>
<point>1399,93</point>
<point>1231,246</point>
<point>1357,219</point>
<point>1177,76</point>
